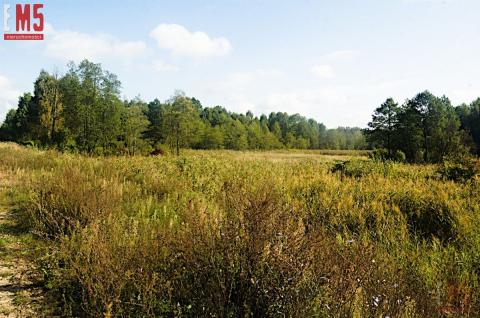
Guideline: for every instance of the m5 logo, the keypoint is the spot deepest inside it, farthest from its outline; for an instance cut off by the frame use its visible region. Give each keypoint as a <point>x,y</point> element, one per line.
<point>29,22</point>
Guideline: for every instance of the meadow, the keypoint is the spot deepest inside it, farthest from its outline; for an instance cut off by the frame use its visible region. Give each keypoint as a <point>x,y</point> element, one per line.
<point>248,234</point>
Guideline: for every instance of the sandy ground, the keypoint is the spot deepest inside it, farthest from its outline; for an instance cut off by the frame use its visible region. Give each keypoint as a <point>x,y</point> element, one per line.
<point>18,296</point>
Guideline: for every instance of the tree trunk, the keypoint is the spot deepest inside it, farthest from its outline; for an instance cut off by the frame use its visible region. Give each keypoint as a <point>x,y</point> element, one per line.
<point>54,115</point>
<point>425,145</point>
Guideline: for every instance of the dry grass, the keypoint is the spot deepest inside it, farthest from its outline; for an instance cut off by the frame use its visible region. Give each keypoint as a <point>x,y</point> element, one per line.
<point>279,234</point>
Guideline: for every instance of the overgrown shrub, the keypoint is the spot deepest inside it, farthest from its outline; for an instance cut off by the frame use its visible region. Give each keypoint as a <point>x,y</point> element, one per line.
<point>459,169</point>
<point>383,155</point>
<point>361,168</point>
<point>428,217</point>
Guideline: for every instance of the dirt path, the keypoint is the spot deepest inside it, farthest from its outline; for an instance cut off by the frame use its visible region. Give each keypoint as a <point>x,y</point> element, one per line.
<point>18,295</point>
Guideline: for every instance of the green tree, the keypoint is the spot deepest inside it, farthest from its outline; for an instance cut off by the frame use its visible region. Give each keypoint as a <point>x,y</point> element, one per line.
<point>48,103</point>
<point>470,121</point>
<point>8,130</point>
<point>92,106</point>
<point>382,128</point>
<point>254,135</point>
<point>155,114</point>
<point>180,123</point>
<point>24,121</point>
<point>445,137</point>
<point>277,131</point>
<point>236,135</point>
<point>410,132</point>
<point>213,137</point>
<point>134,125</point>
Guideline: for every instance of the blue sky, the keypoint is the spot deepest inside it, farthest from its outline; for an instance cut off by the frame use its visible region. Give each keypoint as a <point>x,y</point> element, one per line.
<point>334,61</point>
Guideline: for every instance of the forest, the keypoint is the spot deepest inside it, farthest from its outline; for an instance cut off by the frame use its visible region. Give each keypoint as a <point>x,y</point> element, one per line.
<point>82,111</point>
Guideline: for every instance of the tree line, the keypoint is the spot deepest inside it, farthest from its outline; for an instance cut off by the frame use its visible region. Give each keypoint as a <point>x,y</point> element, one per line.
<point>82,111</point>
<point>425,128</point>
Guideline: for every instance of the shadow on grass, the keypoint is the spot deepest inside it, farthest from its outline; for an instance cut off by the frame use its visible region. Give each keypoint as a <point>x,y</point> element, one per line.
<point>11,223</point>
<point>12,229</point>
<point>14,288</point>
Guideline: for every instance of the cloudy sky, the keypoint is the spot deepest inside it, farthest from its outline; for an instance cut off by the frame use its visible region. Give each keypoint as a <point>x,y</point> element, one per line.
<point>334,61</point>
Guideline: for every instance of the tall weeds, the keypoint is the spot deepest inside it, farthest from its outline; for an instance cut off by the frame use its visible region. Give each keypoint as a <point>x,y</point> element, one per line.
<point>217,235</point>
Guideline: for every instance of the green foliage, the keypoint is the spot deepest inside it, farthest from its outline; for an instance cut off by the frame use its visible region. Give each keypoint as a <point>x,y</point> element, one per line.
<point>399,156</point>
<point>19,123</point>
<point>181,124</point>
<point>47,102</point>
<point>360,168</point>
<point>383,124</point>
<point>426,128</point>
<point>459,169</point>
<point>428,217</point>
<point>82,111</point>
<point>470,120</point>
<point>343,138</point>
<point>134,124</point>
<point>384,155</point>
<point>8,129</point>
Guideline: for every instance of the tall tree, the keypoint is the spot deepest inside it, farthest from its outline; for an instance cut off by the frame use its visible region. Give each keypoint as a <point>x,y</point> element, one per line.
<point>236,135</point>
<point>181,121</point>
<point>384,122</point>
<point>24,121</point>
<point>48,102</point>
<point>470,121</point>
<point>8,130</point>
<point>134,125</point>
<point>92,106</point>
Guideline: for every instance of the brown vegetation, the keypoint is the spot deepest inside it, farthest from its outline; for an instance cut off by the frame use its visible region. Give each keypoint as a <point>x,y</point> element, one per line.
<point>212,234</point>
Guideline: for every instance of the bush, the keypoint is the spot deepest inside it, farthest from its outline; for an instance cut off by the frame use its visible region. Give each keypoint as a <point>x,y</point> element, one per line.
<point>361,168</point>
<point>399,156</point>
<point>160,149</point>
<point>459,169</point>
<point>428,218</point>
<point>383,155</point>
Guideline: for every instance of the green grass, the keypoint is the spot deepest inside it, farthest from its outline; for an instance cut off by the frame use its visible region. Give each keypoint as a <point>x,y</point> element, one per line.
<point>21,298</point>
<point>224,233</point>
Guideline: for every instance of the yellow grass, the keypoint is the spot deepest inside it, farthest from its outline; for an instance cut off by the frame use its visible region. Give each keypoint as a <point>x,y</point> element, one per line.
<point>223,233</point>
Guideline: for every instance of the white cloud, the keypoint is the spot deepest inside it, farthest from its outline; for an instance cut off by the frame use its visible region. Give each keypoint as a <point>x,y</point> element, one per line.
<point>161,66</point>
<point>331,105</point>
<point>464,95</point>
<point>339,104</point>
<point>72,45</point>
<point>334,104</point>
<point>243,80</point>
<point>342,55</point>
<point>8,96</point>
<point>322,71</point>
<point>179,41</point>
<point>325,66</point>
<point>318,103</point>
<point>239,91</point>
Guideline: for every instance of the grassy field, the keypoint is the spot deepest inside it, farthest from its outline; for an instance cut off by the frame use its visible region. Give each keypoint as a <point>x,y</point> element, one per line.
<point>240,234</point>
